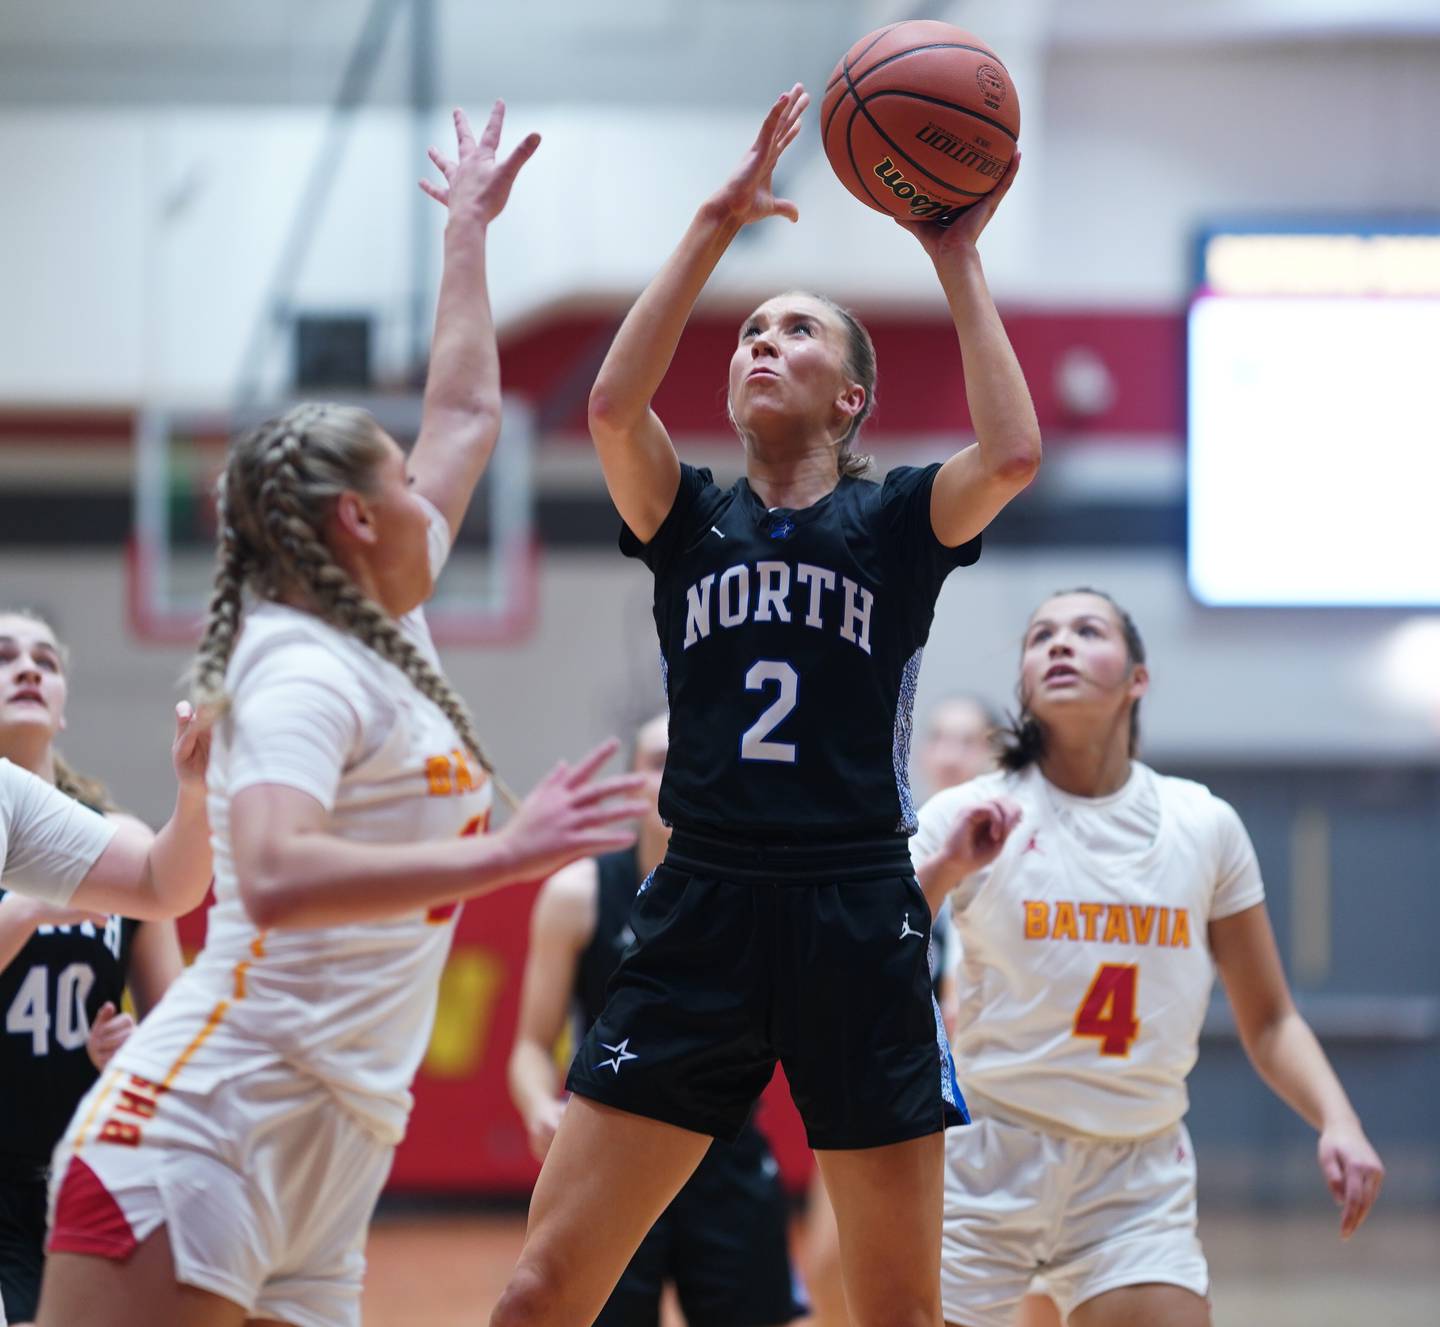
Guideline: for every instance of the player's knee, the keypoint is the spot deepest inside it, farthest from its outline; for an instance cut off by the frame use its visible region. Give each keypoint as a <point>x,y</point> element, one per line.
<point>532,1299</point>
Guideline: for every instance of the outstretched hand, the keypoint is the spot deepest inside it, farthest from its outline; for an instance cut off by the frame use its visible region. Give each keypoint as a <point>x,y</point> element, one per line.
<point>477,186</point>
<point>571,814</point>
<point>964,231</point>
<point>190,751</point>
<point>110,1030</point>
<point>749,195</point>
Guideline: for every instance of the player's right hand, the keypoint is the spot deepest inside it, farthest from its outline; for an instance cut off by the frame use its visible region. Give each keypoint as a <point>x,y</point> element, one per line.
<point>571,814</point>
<point>540,1127</point>
<point>477,184</point>
<point>977,836</point>
<point>748,195</point>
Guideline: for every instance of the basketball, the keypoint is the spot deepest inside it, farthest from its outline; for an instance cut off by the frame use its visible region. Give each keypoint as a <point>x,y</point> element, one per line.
<point>920,120</point>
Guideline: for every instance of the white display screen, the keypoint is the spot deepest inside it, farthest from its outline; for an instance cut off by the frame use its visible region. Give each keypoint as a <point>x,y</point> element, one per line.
<point>1314,451</point>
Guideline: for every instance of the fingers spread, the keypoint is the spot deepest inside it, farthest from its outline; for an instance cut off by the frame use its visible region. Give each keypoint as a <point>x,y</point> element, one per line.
<point>519,157</point>
<point>593,761</point>
<point>443,163</point>
<point>490,137</point>
<point>617,785</point>
<point>464,136</point>
<point>439,195</point>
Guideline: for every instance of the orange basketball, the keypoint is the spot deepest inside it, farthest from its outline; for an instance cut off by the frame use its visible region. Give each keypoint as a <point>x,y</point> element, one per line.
<point>920,119</point>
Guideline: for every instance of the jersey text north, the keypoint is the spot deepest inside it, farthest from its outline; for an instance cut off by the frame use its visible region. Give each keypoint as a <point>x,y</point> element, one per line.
<point>763,594</point>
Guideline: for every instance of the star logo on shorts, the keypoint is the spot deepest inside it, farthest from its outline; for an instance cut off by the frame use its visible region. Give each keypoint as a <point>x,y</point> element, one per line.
<point>619,1054</point>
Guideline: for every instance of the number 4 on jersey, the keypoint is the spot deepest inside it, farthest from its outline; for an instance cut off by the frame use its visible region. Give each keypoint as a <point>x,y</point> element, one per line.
<point>1108,1009</point>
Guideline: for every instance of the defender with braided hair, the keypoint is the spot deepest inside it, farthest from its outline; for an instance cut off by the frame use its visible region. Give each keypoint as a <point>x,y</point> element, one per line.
<point>226,1166</point>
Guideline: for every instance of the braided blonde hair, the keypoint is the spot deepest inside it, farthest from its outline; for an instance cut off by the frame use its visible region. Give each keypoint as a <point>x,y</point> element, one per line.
<point>280,482</point>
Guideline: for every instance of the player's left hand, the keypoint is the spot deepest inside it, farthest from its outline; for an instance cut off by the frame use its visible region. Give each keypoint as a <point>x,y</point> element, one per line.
<point>1353,1173</point>
<point>977,836</point>
<point>477,186</point>
<point>108,1033</point>
<point>190,752</point>
<point>939,241</point>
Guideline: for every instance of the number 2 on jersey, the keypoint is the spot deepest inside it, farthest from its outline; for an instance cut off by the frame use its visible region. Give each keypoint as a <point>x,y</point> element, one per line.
<point>1108,1009</point>
<point>753,742</point>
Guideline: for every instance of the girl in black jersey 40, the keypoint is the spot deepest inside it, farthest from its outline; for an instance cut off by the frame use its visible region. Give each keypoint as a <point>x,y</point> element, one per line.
<point>784,924</point>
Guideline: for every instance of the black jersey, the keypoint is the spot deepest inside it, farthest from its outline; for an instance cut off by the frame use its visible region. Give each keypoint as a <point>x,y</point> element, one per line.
<point>49,993</point>
<point>790,642</point>
<point>619,877</point>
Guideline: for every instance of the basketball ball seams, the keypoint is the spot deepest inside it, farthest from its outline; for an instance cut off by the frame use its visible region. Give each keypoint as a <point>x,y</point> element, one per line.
<point>879,35</point>
<point>905,155</point>
<point>931,46</point>
<point>940,101</point>
<point>855,165</point>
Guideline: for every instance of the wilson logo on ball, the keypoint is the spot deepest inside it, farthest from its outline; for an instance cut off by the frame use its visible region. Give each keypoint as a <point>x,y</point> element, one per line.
<point>920,204</point>
<point>967,154</point>
<point>992,85</point>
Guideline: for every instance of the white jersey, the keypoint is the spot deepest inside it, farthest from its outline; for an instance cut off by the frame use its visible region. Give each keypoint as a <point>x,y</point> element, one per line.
<point>48,842</point>
<point>1086,968</point>
<point>313,708</point>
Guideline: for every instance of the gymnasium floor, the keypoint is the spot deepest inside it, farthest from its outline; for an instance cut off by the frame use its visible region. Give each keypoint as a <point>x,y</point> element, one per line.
<point>1270,1270</point>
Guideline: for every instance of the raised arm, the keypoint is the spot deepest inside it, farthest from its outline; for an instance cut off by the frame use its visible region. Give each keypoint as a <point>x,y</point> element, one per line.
<point>975,484</point>
<point>292,873</point>
<point>641,469</point>
<point>945,854</point>
<point>460,417</point>
<point>1287,1056</point>
<point>561,925</point>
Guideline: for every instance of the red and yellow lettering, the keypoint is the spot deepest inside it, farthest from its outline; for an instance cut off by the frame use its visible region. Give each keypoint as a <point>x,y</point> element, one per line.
<point>1143,920</point>
<point>1108,1009</point>
<point>1037,919</point>
<point>442,912</point>
<point>464,780</point>
<point>120,1131</point>
<point>1091,912</point>
<point>1180,934</point>
<point>437,776</point>
<point>135,1103</point>
<point>1117,927</point>
<point>1065,922</point>
<point>1162,937</point>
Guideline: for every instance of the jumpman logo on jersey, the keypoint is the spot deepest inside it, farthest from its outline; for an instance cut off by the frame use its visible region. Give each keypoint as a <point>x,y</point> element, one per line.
<point>906,930</point>
<point>622,1052</point>
<point>1034,844</point>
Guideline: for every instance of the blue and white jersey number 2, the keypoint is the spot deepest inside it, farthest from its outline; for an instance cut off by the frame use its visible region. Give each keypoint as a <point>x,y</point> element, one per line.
<point>755,743</point>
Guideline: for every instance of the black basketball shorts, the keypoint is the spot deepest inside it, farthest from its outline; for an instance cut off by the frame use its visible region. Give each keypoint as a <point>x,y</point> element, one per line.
<point>723,1241</point>
<point>745,955</point>
<point>22,1246</point>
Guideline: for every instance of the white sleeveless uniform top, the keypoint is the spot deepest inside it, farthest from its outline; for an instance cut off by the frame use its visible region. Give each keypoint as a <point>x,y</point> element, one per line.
<point>1086,968</point>
<point>313,708</point>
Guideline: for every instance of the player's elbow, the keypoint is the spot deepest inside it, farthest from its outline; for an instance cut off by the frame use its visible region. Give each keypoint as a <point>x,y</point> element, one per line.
<point>266,902</point>
<point>608,415</point>
<point>1017,459</point>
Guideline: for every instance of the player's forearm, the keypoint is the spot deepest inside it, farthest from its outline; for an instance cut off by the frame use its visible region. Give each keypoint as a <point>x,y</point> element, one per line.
<point>463,382</point>
<point>1001,411</point>
<point>937,876</point>
<point>17,925</point>
<point>1287,1055</point>
<point>179,865</point>
<point>531,1076</point>
<point>312,879</point>
<point>642,350</point>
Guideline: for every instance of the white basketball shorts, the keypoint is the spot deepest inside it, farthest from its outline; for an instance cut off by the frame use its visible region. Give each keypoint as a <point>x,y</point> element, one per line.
<point>264,1184</point>
<point>1089,1216</point>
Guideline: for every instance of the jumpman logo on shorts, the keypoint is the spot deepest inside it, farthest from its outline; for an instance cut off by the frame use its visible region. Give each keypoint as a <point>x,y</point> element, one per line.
<point>906,930</point>
<point>621,1053</point>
